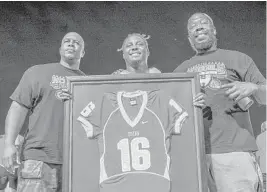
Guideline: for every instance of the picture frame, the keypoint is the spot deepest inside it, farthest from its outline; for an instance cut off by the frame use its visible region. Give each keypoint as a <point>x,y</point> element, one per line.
<point>81,155</point>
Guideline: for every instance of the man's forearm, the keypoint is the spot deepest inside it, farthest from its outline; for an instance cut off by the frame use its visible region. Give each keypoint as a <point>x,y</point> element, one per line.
<point>260,94</point>
<point>14,122</point>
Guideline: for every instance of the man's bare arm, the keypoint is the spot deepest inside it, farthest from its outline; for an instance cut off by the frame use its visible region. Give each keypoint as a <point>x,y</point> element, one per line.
<point>14,122</point>
<point>238,90</point>
<point>260,94</point>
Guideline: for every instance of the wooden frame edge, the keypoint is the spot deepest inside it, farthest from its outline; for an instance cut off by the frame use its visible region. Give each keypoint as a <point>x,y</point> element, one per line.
<point>99,79</point>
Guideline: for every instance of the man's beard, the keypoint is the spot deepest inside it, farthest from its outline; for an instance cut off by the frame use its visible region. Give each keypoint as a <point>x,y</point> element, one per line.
<point>204,46</point>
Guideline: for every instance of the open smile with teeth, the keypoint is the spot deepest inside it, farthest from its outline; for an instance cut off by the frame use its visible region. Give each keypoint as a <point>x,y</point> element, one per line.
<point>135,54</point>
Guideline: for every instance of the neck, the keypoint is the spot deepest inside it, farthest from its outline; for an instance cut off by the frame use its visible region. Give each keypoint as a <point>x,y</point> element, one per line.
<point>73,66</point>
<point>212,48</point>
<point>138,68</point>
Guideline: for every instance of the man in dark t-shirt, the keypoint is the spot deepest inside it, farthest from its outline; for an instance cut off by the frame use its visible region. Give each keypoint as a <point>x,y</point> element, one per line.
<point>228,78</point>
<point>40,93</point>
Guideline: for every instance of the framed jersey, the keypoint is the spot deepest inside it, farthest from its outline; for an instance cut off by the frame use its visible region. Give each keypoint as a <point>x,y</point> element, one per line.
<point>133,133</point>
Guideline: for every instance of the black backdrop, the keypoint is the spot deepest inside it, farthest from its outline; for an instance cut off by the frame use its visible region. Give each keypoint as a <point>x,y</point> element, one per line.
<point>31,33</point>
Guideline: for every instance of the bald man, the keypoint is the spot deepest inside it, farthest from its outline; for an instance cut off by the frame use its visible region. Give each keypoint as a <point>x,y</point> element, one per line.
<point>39,93</point>
<point>228,77</point>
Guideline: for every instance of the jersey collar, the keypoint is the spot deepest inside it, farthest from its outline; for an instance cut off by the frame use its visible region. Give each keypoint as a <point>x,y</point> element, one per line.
<point>121,94</point>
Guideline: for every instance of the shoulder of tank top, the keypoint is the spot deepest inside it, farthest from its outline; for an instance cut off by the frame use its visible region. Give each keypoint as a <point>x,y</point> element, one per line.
<point>154,70</point>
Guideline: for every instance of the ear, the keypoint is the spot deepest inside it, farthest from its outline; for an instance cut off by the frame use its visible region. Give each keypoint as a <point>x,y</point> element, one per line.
<point>189,39</point>
<point>83,53</point>
<point>192,44</point>
<point>59,50</point>
<point>123,56</point>
<point>214,31</point>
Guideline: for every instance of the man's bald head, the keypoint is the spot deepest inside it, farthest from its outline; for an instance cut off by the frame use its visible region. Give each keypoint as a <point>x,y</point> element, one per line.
<point>201,32</point>
<point>72,48</point>
<point>198,16</point>
<point>75,35</point>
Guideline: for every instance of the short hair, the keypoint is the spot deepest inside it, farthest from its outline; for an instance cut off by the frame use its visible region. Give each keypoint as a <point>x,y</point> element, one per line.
<point>144,37</point>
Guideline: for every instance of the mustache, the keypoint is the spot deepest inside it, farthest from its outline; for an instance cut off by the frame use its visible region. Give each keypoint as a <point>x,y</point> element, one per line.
<point>198,31</point>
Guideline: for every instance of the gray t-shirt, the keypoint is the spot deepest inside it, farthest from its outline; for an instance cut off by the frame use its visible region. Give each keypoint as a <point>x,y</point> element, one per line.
<point>227,128</point>
<point>39,90</point>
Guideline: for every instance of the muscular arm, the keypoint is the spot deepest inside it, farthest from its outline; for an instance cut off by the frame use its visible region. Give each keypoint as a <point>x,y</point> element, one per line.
<point>260,94</point>
<point>14,122</point>
<point>254,76</point>
<point>252,83</point>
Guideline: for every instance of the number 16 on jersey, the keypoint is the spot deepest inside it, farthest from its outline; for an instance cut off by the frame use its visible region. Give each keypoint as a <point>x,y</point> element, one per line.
<point>134,154</point>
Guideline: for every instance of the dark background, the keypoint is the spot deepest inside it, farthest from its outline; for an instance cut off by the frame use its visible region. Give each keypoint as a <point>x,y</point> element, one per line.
<point>31,33</point>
